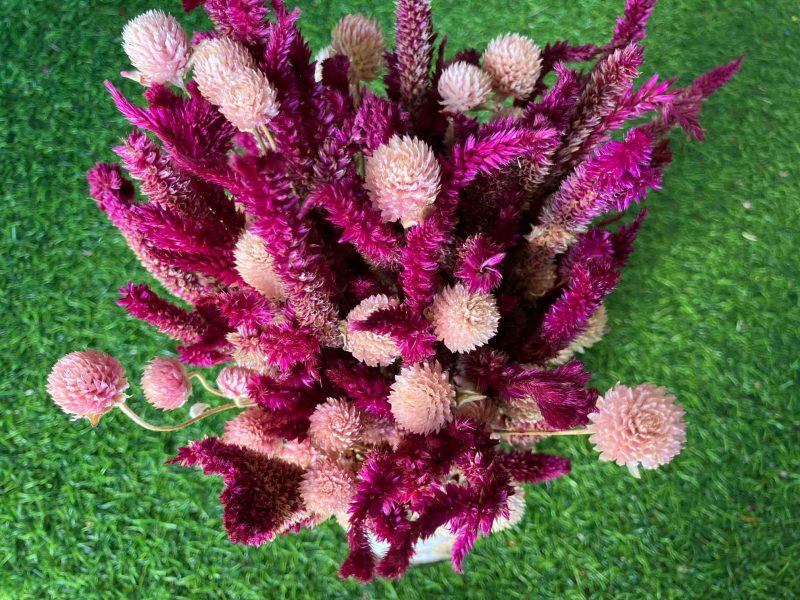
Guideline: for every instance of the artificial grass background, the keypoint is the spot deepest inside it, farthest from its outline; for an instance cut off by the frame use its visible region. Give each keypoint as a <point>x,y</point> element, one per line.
<point>708,307</point>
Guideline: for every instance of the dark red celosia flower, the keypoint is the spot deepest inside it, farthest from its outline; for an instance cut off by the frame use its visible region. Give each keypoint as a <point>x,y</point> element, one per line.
<point>261,495</point>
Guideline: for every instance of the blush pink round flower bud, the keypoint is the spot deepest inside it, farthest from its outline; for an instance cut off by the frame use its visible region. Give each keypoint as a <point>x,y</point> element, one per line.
<point>250,429</point>
<point>463,86</point>
<point>336,425</point>
<point>250,100</point>
<point>165,383</point>
<point>257,267</point>
<point>158,47</point>
<point>361,40</point>
<point>214,63</point>
<point>327,488</point>
<point>463,320</point>
<point>422,398</point>
<point>403,179</point>
<point>301,454</point>
<point>641,425</point>
<point>87,384</point>
<point>373,349</point>
<point>233,381</point>
<point>514,62</point>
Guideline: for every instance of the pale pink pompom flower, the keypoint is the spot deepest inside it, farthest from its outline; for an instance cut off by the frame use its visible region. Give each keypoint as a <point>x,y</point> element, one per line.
<point>514,62</point>
<point>463,87</point>
<point>158,47</point>
<point>214,63</point>
<point>87,384</point>
<point>165,383</point>
<point>250,429</point>
<point>327,488</point>
<point>335,426</point>
<point>373,349</point>
<point>361,40</point>
<point>403,178</point>
<point>257,266</point>
<point>298,453</point>
<point>463,320</point>
<point>232,381</point>
<point>250,100</point>
<point>641,425</point>
<point>422,398</point>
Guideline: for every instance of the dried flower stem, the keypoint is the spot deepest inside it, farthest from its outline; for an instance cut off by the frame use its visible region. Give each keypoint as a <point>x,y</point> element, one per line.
<point>149,426</point>
<point>587,431</point>
<point>204,382</point>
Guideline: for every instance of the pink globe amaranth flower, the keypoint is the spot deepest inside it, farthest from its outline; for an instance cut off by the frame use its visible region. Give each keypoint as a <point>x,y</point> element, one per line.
<point>378,431</point>
<point>165,383</point>
<point>361,40</point>
<point>215,62</point>
<point>327,487</point>
<point>298,453</point>
<point>87,384</point>
<point>641,425</point>
<point>514,62</point>
<point>463,320</point>
<point>373,349</point>
<point>336,425</point>
<point>507,112</point>
<point>422,398</point>
<point>483,411</point>
<point>403,179</point>
<point>249,429</point>
<point>463,86</point>
<point>257,266</point>
<point>516,510</point>
<point>158,47</point>
<point>250,100</point>
<point>233,381</point>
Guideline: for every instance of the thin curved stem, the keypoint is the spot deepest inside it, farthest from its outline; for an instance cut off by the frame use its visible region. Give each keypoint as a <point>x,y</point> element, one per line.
<point>209,388</point>
<point>587,431</point>
<point>142,423</point>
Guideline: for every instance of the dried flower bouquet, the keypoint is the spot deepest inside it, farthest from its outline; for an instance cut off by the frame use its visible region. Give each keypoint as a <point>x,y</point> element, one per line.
<point>397,286</point>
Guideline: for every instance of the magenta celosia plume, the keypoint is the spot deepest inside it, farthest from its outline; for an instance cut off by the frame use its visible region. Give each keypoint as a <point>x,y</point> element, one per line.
<point>396,285</point>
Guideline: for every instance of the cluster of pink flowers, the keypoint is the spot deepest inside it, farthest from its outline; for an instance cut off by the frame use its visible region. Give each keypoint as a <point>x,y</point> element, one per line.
<point>395,286</point>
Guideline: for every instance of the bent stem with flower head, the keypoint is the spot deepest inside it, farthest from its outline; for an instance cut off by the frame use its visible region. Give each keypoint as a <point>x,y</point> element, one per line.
<point>393,286</point>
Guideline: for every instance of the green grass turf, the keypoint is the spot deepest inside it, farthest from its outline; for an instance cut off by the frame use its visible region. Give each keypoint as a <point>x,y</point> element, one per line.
<point>702,309</point>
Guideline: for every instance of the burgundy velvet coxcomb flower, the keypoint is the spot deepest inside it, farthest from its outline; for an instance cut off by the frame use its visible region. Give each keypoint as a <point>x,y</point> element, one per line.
<point>394,286</point>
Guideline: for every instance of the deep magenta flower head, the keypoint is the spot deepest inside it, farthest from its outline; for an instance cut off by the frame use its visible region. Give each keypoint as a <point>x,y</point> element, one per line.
<point>641,425</point>
<point>87,384</point>
<point>361,40</point>
<point>250,100</point>
<point>215,62</point>
<point>336,426</point>
<point>422,398</point>
<point>233,381</point>
<point>256,266</point>
<point>403,178</point>
<point>251,430</point>
<point>158,47</point>
<point>327,488</point>
<point>165,383</point>
<point>463,87</point>
<point>514,62</point>
<point>463,320</point>
<point>373,349</point>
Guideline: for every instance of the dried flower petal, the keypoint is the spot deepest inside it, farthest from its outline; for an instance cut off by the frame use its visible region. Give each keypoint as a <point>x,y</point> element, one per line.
<point>336,425</point>
<point>327,488</point>
<point>250,100</point>
<point>462,320</point>
<point>233,382</point>
<point>214,62</point>
<point>250,429</point>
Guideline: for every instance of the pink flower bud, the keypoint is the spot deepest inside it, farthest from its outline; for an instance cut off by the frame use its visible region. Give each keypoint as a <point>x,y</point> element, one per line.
<point>360,39</point>
<point>166,384</point>
<point>463,86</point>
<point>422,398</point>
<point>158,47</point>
<point>514,62</point>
